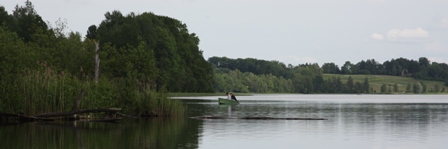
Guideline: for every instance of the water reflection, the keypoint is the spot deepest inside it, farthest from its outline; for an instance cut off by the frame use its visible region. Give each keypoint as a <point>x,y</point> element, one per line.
<point>150,133</point>
<point>373,122</point>
<point>353,122</point>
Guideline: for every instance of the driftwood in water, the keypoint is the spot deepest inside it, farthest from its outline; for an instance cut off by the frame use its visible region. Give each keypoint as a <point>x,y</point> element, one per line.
<point>273,118</point>
<point>24,118</point>
<point>254,118</point>
<point>46,116</point>
<point>58,114</point>
<point>107,120</point>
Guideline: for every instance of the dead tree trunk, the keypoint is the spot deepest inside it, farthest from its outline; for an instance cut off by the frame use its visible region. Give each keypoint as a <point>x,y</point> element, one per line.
<point>97,61</point>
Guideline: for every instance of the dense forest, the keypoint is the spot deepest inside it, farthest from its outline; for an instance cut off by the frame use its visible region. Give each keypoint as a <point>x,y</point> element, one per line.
<point>253,75</point>
<point>422,69</point>
<point>43,68</point>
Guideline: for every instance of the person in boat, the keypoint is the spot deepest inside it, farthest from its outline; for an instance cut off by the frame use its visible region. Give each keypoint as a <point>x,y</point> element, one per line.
<point>232,96</point>
<point>228,96</point>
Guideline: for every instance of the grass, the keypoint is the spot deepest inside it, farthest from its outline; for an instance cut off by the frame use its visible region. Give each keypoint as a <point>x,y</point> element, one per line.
<point>376,81</point>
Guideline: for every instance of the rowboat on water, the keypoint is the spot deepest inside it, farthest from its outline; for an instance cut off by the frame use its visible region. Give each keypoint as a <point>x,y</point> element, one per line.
<point>227,102</point>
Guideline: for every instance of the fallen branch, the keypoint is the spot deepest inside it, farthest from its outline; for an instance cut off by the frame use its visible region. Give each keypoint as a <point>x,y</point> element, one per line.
<point>24,118</point>
<point>57,114</point>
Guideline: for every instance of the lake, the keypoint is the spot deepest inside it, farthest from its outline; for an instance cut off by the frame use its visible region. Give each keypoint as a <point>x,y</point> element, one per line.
<point>352,122</point>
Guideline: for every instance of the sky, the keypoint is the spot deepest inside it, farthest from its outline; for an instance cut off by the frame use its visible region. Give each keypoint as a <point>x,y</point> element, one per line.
<point>289,31</point>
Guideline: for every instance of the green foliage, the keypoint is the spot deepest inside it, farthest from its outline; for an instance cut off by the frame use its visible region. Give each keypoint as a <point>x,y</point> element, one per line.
<point>436,88</point>
<point>44,69</point>
<point>158,49</point>
<point>350,85</point>
<point>395,87</point>
<point>408,88</point>
<point>417,88</point>
<point>383,88</point>
<point>257,67</point>
<point>330,68</point>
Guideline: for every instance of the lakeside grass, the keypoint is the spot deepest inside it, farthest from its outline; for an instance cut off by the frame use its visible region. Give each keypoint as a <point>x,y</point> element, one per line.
<point>376,81</point>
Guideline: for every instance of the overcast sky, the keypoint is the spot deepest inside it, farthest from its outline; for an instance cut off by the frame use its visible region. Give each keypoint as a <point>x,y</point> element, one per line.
<point>290,31</point>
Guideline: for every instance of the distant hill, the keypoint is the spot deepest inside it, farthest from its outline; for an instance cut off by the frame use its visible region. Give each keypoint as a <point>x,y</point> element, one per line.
<point>376,81</point>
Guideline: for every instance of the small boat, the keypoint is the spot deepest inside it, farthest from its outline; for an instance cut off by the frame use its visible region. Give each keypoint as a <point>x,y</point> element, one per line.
<point>227,102</point>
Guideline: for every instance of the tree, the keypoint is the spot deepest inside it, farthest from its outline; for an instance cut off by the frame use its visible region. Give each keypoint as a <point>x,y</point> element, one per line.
<point>408,88</point>
<point>424,87</point>
<point>330,68</point>
<point>436,88</point>
<point>417,88</point>
<point>383,88</point>
<point>92,32</point>
<point>350,84</point>
<point>28,22</point>
<point>366,85</point>
<point>348,68</point>
<point>395,87</point>
<point>179,63</point>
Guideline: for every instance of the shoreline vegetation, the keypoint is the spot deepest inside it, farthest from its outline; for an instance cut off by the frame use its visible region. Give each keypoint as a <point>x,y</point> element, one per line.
<point>43,68</point>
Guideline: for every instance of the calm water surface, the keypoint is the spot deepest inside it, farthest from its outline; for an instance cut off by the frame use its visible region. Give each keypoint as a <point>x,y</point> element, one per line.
<point>353,122</point>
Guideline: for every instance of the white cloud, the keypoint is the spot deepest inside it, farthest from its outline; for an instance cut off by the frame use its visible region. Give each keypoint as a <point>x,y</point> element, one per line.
<point>444,23</point>
<point>407,34</point>
<point>377,36</point>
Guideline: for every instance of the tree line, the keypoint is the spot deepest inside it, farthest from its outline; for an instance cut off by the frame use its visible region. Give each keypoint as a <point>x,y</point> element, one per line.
<point>307,78</point>
<point>422,69</point>
<point>253,75</point>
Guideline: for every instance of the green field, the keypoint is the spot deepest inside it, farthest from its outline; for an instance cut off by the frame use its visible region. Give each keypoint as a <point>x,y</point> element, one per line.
<point>376,81</point>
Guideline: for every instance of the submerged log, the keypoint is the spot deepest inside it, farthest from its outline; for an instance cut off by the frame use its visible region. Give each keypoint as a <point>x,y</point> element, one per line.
<point>24,118</point>
<point>254,118</point>
<point>274,118</point>
<point>58,114</point>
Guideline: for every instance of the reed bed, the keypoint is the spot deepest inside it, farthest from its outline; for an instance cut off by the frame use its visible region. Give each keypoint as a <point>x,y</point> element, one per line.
<point>45,90</point>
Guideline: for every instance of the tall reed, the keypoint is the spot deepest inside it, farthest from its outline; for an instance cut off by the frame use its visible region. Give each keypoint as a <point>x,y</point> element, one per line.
<point>44,90</point>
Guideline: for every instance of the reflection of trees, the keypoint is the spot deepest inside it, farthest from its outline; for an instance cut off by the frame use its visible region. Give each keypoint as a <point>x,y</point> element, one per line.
<point>150,133</point>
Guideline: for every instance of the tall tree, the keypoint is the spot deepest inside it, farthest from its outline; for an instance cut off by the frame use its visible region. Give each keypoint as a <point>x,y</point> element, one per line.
<point>28,22</point>
<point>366,85</point>
<point>350,85</point>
